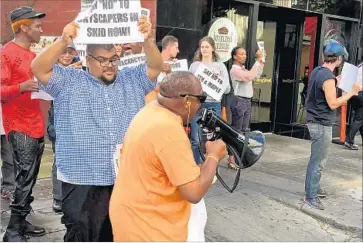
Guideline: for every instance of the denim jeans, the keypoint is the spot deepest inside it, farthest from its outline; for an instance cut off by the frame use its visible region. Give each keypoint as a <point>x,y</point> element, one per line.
<point>196,131</point>
<point>321,137</point>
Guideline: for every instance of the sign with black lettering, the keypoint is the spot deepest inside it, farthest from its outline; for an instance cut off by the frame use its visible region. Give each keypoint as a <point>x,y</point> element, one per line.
<point>178,65</point>
<point>212,84</point>
<point>110,21</point>
<point>132,60</point>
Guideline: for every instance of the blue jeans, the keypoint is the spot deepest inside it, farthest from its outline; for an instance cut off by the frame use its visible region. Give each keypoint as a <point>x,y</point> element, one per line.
<point>321,137</point>
<point>195,132</point>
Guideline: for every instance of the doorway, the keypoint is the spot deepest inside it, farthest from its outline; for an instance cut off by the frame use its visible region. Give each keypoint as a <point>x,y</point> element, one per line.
<point>276,92</point>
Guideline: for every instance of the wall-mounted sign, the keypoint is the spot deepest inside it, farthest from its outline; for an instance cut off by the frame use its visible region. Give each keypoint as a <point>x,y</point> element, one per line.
<point>224,34</point>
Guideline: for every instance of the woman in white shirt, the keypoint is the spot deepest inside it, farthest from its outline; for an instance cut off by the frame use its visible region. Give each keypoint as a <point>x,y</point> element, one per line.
<point>206,54</point>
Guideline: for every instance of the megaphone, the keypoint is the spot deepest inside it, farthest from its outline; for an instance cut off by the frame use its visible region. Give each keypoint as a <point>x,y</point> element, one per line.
<point>247,148</point>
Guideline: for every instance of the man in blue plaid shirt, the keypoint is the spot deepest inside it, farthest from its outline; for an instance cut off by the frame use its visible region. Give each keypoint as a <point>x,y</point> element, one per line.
<point>92,111</point>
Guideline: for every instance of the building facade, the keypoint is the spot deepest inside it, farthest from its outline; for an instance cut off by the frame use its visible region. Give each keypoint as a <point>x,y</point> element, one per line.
<point>293,33</point>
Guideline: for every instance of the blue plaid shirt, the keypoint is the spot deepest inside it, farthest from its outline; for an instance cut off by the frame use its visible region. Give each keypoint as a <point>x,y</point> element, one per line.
<point>92,118</point>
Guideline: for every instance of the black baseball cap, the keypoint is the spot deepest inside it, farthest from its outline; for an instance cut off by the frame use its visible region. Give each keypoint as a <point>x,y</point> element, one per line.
<point>25,12</point>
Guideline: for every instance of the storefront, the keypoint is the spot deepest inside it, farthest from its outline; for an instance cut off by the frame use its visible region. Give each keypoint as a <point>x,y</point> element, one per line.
<point>293,32</point>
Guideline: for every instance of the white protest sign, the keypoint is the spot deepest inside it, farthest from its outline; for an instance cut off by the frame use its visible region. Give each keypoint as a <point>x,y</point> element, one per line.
<point>40,95</point>
<point>261,46</point>
<point>117,158</point>
<point>110,21</point>
<point>349,77</point>
<point>145,12</point>
<point>212,84</point>
<point>132,60</point>
<point>179,65</point>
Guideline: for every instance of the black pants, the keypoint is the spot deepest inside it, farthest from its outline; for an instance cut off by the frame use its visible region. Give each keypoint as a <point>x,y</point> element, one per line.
<point>357,124</point>
<point>7,168</point>
<point>85,213</point>
<point>57,184</point>
<point>27,154</point>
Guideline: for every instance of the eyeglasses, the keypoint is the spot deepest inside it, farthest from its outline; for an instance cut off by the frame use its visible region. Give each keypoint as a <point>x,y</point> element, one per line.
<point>201,97</point>
<point>105,62</point>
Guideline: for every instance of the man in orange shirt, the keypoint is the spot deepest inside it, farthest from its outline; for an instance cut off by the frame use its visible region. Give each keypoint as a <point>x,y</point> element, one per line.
<point>158,178</point>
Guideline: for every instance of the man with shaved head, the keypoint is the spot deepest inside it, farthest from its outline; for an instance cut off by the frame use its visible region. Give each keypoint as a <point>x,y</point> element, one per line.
<point>158,167</point>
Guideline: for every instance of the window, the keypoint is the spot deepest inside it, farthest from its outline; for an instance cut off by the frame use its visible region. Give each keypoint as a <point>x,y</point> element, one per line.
<point>238,14</point>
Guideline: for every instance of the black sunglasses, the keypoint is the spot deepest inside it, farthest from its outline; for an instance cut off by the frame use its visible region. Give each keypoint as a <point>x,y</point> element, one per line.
<point>201,97</point>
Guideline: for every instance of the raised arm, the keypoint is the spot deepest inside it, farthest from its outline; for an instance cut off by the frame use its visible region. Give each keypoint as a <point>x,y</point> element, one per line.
<point>245,75</point>
<point>42,65</point>
<point>152,53</point>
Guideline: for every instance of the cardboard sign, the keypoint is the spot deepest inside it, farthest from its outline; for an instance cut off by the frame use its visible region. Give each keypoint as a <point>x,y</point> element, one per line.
<point>212,84</point>
<point>132,60</point>
<point>110,21</point>
<point>178,65</point>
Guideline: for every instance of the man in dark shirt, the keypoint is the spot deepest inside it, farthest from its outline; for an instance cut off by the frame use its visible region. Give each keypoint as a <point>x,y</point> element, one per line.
<point>320,105</point>
<point>357,124</point>
<point>22,118</point>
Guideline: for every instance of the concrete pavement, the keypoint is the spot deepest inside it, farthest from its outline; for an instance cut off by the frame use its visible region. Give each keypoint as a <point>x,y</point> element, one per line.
<point>267,204</point>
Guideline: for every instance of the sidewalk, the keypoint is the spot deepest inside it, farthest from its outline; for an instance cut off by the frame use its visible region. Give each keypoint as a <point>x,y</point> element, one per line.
<point>267,204</point>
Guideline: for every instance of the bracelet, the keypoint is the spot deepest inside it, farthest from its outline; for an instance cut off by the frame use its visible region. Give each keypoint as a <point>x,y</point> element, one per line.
<point>213,157</point>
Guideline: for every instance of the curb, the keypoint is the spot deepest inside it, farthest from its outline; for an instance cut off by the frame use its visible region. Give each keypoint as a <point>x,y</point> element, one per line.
<point>319,217</point>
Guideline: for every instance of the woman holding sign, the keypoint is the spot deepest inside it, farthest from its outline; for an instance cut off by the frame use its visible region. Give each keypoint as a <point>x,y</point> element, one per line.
<point>207,58</point>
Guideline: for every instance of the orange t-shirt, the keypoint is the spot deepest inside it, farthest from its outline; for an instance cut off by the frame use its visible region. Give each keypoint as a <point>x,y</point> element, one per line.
<point>156,158</point>
<point>152,95</point>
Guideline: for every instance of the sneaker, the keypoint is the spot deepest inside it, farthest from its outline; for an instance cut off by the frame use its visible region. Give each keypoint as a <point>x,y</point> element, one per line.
<point>314,203</point>
<point>322,193</point>
<point>7,194</point>
<point>57,206</point>
<point>350,146</point>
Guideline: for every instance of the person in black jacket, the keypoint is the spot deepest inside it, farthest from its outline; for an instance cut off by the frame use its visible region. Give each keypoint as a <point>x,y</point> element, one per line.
<point>357,124</point>
<point>68,58</point>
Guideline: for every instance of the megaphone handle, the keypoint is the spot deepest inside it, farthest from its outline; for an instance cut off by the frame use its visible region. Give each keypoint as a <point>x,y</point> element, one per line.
<point>247,138</point>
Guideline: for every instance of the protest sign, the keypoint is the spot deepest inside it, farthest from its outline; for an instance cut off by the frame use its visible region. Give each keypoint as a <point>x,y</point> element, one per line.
<point>145,12</point>
<point>179,65</point>
<point>110,21</point>
<point>349,77</point>
<point>40,95</point>
<point>212,84</point>
<point>132,60</point>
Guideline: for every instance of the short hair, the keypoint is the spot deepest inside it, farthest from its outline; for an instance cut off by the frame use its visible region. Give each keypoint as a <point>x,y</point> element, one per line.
<point>167,40</point>
<point>330,58</point>
<point>179,82</point>
<point>92,48</point>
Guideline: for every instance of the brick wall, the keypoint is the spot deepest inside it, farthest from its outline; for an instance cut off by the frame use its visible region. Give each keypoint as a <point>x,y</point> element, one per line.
<point>59,13</point>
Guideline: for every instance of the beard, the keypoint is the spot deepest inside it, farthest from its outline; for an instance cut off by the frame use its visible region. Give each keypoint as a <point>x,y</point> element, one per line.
<point>108,81</point>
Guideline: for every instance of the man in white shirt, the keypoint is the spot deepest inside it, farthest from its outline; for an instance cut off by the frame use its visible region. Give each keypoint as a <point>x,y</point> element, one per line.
<point>7,167</point>
<point>170,49</point>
